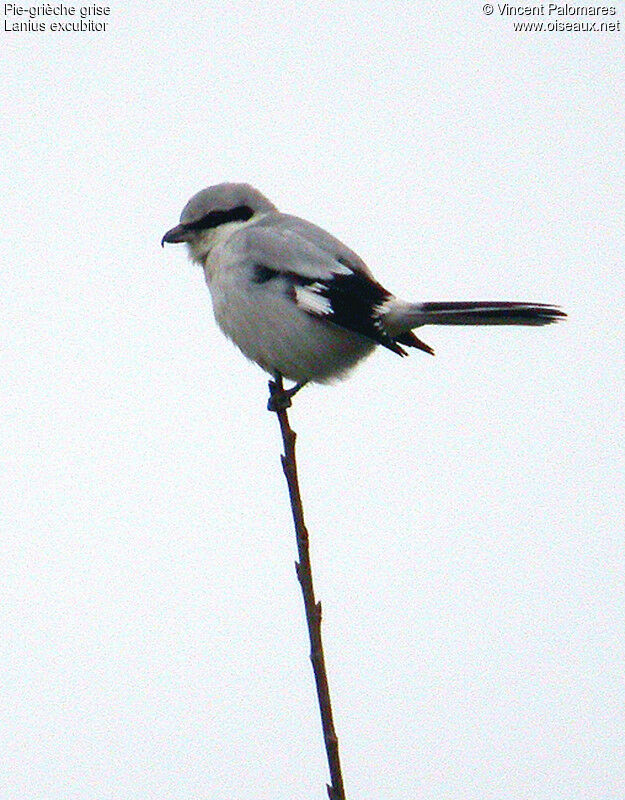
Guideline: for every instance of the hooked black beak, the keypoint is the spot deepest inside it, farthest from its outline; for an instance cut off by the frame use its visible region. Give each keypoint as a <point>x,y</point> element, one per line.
<point>176,235</point>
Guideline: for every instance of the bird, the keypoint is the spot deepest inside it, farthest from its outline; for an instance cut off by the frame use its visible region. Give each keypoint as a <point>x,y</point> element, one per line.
<point>301,304</point>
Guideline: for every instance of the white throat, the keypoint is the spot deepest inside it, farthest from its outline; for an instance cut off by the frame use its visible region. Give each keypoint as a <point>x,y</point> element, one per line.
<point>201,246</point>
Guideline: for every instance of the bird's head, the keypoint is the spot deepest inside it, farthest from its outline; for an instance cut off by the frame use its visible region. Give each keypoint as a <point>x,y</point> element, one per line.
<point>212,212</point>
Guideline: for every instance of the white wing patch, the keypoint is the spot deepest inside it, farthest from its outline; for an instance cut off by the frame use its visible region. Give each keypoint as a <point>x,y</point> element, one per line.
<point>310,298</point>
<point>385,306</point>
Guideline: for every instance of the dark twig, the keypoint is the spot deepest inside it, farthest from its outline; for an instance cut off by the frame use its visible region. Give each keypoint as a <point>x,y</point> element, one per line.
<point>278,402</point>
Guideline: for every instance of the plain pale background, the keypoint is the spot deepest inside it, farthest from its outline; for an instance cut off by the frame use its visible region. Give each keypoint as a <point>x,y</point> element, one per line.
<point>465,510</point>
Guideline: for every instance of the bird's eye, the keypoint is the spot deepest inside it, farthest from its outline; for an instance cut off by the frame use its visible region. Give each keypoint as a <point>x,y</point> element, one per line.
<point>218,217</point>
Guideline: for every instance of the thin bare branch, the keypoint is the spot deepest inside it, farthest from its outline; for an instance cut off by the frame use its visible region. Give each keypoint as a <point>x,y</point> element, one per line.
<point>279,401</point>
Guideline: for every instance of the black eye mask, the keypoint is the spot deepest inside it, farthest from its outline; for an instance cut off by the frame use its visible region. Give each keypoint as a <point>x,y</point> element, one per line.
<point>215,218</point>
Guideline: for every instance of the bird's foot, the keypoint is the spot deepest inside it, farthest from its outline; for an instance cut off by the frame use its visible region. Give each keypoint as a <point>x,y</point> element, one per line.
<point>279,398</point>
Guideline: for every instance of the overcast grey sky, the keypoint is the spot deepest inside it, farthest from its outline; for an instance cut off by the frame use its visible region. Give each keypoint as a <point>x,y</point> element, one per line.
<point>466,511</point>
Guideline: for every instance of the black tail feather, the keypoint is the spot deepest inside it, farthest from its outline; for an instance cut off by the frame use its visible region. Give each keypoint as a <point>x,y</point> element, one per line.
<point>489,313</point>
<point>411,340</point>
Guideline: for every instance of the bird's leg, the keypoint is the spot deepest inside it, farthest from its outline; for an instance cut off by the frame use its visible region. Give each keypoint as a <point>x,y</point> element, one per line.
<point>279,397</point>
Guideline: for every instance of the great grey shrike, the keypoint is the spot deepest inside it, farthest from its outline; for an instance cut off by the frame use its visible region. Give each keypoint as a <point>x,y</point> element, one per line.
<point>300,303</point>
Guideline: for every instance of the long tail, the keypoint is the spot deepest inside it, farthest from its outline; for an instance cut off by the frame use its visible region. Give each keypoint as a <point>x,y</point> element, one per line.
<point>481,313</point>
<point>402,317</point>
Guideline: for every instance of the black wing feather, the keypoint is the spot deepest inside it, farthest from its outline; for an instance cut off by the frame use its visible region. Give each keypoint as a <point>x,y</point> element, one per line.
<point>354,301</point>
